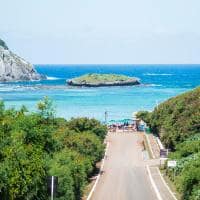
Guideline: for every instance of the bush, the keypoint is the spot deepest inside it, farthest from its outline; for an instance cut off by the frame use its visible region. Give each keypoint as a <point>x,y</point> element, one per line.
<point>89,125</point>
<point>177,122</point>
<point>34,146</point>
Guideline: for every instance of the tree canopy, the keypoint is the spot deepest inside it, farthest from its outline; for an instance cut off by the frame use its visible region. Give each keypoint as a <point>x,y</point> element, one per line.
<point>177,123</point>
<point>36,145</point>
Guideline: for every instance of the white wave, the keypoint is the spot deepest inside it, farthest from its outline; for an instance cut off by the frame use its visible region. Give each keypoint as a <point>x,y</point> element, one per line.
<point>52,78</point>
<point>12,88</point>
<point>155,85</point>
<point>154,74</point>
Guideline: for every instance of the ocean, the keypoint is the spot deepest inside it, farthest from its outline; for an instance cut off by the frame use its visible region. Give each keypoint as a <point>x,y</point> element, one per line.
<point>159,82</point>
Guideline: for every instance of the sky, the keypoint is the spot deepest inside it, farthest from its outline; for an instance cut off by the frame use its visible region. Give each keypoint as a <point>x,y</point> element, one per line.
<point>102,31</point>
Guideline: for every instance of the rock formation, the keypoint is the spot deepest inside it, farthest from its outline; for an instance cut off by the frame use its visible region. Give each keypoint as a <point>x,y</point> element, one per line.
<point>101,80</point>
<point>15,68</point>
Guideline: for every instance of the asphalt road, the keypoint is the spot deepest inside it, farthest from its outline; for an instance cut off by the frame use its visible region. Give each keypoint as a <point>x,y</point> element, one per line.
<point>125,176</point>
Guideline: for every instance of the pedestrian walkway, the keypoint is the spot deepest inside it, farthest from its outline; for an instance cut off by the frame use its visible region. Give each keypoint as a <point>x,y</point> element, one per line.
<point>153,145</point>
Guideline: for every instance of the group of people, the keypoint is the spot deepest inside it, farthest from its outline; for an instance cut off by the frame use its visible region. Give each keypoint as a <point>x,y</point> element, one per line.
<point>123,127</point>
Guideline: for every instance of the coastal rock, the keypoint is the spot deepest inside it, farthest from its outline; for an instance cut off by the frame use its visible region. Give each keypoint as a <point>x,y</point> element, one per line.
<point>102,80</point>
<point>15,68</point>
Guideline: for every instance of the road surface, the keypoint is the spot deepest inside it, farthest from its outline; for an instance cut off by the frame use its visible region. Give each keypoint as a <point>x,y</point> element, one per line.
<point>125,176</point>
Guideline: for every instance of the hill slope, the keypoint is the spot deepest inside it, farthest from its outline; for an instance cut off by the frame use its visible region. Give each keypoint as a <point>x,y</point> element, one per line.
<point>14,68</point>
<point>177,118</point>
<point>177,122</point>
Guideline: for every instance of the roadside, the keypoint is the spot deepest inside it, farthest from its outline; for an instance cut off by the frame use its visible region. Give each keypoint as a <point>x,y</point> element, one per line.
<point>92,181</point>
<point>89,190</point>
<point>163,187</point>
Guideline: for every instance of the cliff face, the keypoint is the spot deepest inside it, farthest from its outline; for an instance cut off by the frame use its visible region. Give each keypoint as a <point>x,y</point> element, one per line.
<point>14,68</point>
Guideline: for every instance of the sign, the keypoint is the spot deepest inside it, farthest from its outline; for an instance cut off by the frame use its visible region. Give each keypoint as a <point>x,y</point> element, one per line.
<point>163,153</point>
<point>171,163</point>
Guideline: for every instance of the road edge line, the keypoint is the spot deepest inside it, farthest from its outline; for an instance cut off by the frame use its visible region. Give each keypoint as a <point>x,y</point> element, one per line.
<point>168,188</point>
<point>98,176</point>
<point>153,184</point>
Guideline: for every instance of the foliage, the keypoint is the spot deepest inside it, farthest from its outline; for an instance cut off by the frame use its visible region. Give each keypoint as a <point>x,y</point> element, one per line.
<point>176,119</point>
<point>101,78</point>
<point>36,145</point>
<point>177,122</point>
<point>86,144</point>
<point>144,115</point>
<point>70,167</point>
<point>92,125</point>
<point>46,108</point>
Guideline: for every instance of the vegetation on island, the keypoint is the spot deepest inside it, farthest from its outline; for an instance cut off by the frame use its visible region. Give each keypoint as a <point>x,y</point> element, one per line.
<point>36,145</point>
<point>177,123</point>
<point>103,80</point>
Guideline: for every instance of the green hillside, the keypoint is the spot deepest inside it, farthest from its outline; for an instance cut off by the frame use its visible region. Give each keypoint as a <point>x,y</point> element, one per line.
<point>36,145</point>
<point>177,122</point>
<point>177,118</point>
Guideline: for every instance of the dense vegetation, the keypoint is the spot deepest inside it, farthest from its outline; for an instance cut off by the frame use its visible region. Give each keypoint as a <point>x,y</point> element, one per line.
<point>102,79</point>
<point>95,78</point>
<point>34,146</point>
<point>177,122</point>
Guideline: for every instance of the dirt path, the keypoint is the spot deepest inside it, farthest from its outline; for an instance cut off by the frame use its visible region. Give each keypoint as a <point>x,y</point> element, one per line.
<point>125,176</point>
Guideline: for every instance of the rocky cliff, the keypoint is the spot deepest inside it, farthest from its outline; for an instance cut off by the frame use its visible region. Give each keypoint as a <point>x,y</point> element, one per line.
<point>14,68</point>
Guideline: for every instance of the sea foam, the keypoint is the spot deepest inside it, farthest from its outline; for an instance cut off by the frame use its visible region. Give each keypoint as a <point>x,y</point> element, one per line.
<point>52,78</point>
<point>154,74</point>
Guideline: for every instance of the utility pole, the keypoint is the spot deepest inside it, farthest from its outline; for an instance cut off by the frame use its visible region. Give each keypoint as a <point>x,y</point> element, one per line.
<point>52,187</point>
<point>157,104</point>
<point>106,116</point>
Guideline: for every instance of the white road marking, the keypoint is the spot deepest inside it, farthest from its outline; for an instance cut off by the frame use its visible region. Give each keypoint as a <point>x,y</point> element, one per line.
<point>98,176</point>
<point>153,184</point>
<point>174,197</point>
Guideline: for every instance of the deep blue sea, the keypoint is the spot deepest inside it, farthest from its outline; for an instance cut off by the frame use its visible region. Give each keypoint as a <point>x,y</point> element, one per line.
<point>159,82</point>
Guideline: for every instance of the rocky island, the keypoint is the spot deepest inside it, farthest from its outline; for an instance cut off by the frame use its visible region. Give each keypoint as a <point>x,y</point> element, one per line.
<point>15,68</point>
<point>100,80</point>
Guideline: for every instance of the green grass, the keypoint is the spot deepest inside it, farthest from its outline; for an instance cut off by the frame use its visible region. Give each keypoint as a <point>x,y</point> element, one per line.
<point>101,78</point>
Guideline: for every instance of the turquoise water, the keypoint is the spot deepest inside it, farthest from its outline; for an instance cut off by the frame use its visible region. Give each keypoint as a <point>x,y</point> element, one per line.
<point>159,82</point>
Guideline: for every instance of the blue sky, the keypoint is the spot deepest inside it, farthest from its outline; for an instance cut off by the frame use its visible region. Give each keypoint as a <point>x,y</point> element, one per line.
<point>102,31</point>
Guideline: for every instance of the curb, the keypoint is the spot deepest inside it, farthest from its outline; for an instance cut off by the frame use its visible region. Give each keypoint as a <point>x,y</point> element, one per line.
<point>159,143</point>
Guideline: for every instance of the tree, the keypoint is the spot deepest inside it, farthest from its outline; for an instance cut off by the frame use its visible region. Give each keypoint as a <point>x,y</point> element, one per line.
<point>46,108</point>
<point>22,171</point>
<point>86,124</point>
<point>69,167</point>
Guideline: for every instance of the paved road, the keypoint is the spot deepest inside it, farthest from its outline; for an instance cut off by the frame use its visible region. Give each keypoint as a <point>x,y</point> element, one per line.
<point>125,176</point>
